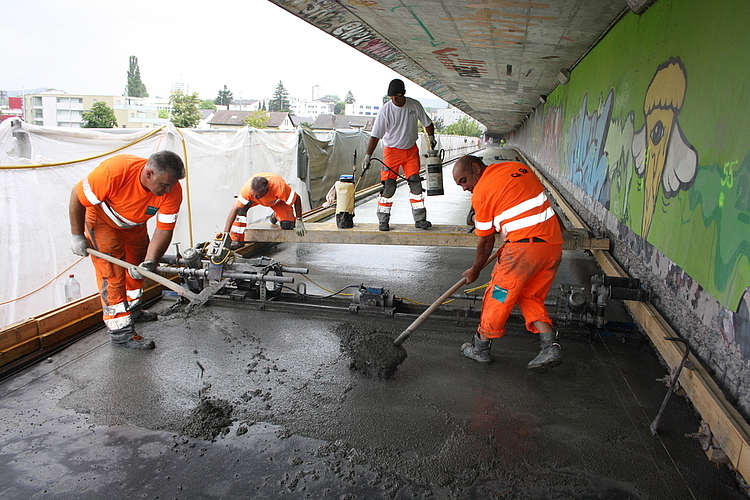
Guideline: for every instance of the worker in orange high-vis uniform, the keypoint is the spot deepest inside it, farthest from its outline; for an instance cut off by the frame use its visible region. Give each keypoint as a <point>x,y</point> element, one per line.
<point>509,199</point>
<point>396,124</point>
<point>108,212</point>
<point>269,190</point>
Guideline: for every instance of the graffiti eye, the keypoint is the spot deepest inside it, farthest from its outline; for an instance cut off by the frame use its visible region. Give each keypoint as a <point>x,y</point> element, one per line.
<point>657,133</point>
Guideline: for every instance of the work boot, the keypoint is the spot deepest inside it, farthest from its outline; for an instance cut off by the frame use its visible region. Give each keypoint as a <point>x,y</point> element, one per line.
<point>383,219</point>
<point>549,355</point>
<point>273,219</point>
<point>420,218</point>
<point>287,224</point>
<point>479,351</point>
<point>126,337</point>
<point>144,315</point>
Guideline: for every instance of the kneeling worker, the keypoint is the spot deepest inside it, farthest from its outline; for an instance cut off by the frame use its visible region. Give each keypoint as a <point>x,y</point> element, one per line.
<point>509,199</point>
<point>269,190</point>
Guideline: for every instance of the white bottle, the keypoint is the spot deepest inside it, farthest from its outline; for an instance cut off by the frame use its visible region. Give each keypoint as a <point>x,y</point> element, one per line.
<point>72,289</point>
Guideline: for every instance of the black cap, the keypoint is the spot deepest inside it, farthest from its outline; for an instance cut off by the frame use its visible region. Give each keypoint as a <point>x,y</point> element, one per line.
<point>396,87</point>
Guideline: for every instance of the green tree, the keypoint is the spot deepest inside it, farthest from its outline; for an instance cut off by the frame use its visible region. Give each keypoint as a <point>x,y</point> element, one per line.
<point>224,97</point>
<point>339,108</point>
<point>163,113</point>
<point>306,125</point>
<point>100,116</point>
<point>280,101</point>
<point>330,97</point>
<point>207,104</point>
<point>135,87</point>
<point>349,99</point>
<point>258,119</point>
<point>439,125</point>
<point>464,126</point>
<point>184,112</point>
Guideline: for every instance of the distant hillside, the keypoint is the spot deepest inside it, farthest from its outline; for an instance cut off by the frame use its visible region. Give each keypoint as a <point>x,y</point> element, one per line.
<point>20,93</point>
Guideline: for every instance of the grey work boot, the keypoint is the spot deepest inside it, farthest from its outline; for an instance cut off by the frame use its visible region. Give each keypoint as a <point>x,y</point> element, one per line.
<point>126,337</point>
<point>479,350</point>
<point>383,219</point>
<point>549,355</point>
<point>420,218</point>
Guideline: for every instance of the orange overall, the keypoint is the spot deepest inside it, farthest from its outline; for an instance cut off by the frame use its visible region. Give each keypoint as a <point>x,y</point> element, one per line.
<point>280,197</point>
<point>509,199</point>
<point>117,208</point>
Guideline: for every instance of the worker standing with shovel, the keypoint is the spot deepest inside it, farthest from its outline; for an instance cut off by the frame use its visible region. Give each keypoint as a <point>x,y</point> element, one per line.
<point>108,212</point>
<point>509,199</point>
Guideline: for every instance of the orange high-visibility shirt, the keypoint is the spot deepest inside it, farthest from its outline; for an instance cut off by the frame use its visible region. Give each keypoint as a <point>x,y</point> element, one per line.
<point>114,190</point>
<point>278,192</point>
<point>510,199</point>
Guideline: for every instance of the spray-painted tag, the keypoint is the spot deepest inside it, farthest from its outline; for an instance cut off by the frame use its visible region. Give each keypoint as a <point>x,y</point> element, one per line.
<point>499,294</point>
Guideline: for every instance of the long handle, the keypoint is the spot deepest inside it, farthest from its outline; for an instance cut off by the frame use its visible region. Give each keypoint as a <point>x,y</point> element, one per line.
<point>405,334</point>
<point>148,274</point>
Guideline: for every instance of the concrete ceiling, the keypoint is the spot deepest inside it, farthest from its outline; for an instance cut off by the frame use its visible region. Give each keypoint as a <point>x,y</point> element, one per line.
<point>491,59</point>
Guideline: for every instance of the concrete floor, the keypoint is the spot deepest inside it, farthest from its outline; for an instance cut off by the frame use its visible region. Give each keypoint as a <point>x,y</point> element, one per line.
<point>238,402</point>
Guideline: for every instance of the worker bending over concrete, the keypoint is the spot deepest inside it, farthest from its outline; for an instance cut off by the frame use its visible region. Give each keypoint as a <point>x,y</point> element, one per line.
<point>396,124</point>
<point>269,190</point>
<point>509,199</point>
<point>108,212</point>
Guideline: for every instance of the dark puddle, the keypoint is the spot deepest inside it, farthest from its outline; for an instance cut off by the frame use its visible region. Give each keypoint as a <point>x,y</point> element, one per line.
<point>371,353</point>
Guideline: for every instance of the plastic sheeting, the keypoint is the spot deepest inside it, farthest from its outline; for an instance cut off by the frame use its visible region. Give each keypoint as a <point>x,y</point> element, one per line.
<point>40,165</point>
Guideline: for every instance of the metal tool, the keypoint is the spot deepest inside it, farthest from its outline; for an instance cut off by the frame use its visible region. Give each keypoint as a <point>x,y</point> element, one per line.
<point>405,334</point>
<point>196,299</point>
<point>672,383</point>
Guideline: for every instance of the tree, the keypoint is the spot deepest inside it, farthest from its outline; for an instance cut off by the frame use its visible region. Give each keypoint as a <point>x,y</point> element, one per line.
<point>439,125</point>
<point>100,116</point>
<point>339,108</point>
<point>224,97</point>
<point>330,97</point>
<point>258,119</point>
<point>464,126</point>
<point>207,104</point>
<point>135,87</point>
<point>184,112</point>
<point>280,101</point>
<point>349,99</point>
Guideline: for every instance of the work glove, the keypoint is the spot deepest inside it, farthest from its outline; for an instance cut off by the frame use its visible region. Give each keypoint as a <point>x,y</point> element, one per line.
<point>148,265</point>
<point>366,163</point>
<point>79,245</point>
<point>299,228</point>
<point>433,142</point>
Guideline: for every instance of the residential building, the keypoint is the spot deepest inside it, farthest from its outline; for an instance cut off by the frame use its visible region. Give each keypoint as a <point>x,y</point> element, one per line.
<point>244,105</point>
<point>312,108</point>
<point>357,109</point>
<point>343,122</point>
<point>232,119</point>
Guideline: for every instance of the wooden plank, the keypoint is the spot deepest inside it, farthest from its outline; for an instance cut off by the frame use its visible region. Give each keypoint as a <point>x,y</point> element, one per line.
<point>52,337</point>
<point>19,350</point>
<point>68,313</point>
<point>730,430</point>
<point>400,234</point>
<point>17,333</point>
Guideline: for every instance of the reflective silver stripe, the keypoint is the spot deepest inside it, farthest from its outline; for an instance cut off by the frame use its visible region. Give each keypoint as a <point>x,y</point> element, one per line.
<point>416,197</point>
<point>242,219</point>
<point>384,201</point>
<point>134,294</point>
<point>483,226</point>
<point>416,205</point>
<point>117,218</point>
<point>522,207</point>
<point>237,230</point>
<point>114,309</point>
<point>290,200</point>
<point>117,323</point>
<point>88,193</point>
<point>242,200</point>
<point>531,220</point>
<point>166,218</point>
<point>384,209</point>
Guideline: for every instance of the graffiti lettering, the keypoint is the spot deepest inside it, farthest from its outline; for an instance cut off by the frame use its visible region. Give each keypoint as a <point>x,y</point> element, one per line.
<point>728,178</point>
<point>449,58</point>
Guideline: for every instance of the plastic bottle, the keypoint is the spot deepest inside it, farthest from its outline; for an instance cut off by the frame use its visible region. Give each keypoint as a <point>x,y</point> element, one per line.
<point>72,289</point>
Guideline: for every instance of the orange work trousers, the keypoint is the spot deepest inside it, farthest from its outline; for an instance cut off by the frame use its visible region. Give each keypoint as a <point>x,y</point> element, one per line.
<point>406,159</point>
<point>282,211</point>
<point>522,276</point>
<point>119,292</point>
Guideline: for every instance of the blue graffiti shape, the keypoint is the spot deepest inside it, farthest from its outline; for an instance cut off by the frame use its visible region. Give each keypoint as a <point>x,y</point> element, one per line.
<point>587,161</point>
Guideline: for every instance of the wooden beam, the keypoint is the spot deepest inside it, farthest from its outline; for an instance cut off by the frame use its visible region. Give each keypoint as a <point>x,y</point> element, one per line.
<point>400,234</point>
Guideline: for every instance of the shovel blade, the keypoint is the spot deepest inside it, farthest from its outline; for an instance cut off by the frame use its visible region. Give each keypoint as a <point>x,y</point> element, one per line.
<point>205,295</point>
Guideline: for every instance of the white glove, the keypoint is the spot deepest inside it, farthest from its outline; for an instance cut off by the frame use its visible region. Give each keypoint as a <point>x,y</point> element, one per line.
<point>299,228</point>
<point>366,163</point>
<point>147,265</point>
<point>79,245</point>
<point>433,142</point>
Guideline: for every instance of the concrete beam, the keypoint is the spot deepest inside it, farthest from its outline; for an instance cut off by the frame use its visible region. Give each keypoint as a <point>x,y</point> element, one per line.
<point>400,234</point>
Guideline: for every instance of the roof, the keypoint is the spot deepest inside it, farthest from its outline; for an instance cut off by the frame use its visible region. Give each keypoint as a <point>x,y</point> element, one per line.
<point>330,122</point>
<point>230,117</point>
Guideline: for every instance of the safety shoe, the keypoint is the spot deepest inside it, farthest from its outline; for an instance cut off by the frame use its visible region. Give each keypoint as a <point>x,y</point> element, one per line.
<point>479,350</point>
<point>383,219</point>
<point>422,224</point>
<point>273,219</point>
<point>550,355</point>
<point>132,341</point>
<point>145,315</point>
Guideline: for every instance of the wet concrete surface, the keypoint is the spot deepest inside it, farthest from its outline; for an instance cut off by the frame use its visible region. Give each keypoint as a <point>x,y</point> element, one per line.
<point>239,402</point>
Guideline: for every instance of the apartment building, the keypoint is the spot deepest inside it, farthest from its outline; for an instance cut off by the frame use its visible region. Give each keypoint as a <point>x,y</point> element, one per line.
<point>357,109</point>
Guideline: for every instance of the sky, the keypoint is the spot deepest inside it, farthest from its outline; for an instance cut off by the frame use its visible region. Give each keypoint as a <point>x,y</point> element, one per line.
<point>84,46</point>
